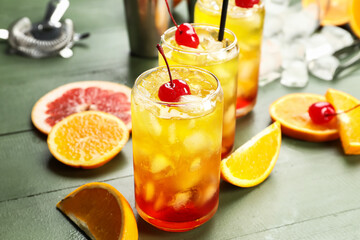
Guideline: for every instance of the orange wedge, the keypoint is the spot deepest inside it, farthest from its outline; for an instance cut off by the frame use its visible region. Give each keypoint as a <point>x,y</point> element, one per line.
<point>292,112</point>
<point>349,122</point>
<point>355,17</point>
<point>101,212</point>
<point>253,162</point>
<point>87,139</point>
<point>332,12</point>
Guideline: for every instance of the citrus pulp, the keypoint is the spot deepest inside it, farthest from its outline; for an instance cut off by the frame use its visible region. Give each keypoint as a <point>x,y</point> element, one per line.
<point>349,122</point>
<point>87,139</point>
<point>292,112</point>
<point>253,162</point>
<point>76,97</point>
<point>101,212</point>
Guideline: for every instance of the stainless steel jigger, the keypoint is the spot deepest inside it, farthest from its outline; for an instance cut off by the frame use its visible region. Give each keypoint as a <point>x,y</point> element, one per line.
<point>47,38</point>
<point>146,21</point>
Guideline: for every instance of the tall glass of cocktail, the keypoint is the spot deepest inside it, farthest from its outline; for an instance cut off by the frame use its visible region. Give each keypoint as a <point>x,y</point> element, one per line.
<point>177,148</point>
<point>247,24</point>
<point>220,58</point>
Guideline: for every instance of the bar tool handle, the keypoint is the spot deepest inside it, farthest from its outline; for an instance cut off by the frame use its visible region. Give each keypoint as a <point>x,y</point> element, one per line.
<point>55,11</point>
<point>355,59</point>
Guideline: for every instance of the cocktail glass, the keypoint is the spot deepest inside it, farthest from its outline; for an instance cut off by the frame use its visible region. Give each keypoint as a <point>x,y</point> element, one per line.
<point>177,149</point>
<point>247,24</point>
<point>220,58</point>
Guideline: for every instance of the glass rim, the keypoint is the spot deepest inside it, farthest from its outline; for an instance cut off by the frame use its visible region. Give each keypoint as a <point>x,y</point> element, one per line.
<point>241,10</point>
<point>208,97</point>
<point>195,25</point>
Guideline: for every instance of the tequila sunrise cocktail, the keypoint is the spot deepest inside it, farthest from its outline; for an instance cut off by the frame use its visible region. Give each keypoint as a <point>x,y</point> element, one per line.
<point>177,149</point>
<point>220,58</point>
<point>247,24</point>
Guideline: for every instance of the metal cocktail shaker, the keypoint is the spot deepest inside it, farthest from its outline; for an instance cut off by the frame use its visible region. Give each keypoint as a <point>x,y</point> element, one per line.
<point>146,21</point>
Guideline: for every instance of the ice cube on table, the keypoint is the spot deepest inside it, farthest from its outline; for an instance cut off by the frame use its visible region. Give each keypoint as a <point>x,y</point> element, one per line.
<point>324,68</point>
<point>276,6</point>
<point>270,56</point>
<point>293,51</point>
<point>301,24</point>
<point>268,78</point>
<point>318,46</point>
<point>272,26</point>
<point>337,37</point>
<point>295,75</point>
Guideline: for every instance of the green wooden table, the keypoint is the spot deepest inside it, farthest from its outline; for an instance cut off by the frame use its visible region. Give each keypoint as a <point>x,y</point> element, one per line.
<point>312,193</point>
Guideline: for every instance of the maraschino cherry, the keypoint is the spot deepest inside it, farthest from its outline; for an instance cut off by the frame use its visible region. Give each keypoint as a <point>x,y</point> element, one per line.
<point>321,112</point>
<point>246,3</point>
<point>173,90</point>
<point>185,33</point>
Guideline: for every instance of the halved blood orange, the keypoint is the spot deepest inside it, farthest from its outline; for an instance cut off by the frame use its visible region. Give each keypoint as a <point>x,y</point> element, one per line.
<point>292,112</point>
<point>113,98</point>
<point>101,211</point>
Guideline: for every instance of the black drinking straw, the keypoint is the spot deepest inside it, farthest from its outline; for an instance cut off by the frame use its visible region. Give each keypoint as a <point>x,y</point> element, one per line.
<point>223,20</point>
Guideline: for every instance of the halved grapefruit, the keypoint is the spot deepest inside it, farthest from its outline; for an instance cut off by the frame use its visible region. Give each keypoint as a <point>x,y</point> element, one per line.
<point>113,98</point>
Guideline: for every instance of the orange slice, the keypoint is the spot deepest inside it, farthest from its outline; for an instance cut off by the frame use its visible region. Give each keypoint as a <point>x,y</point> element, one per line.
<point>332,12</point>
<point>355,17</point>
<point>349,123</point>
<point>253,162</point>
<point>87,139</point>
<point>292,112</point>
<point>101,212</point>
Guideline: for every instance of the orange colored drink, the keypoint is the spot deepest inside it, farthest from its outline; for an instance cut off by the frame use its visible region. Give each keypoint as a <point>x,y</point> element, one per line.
<point>247,24</point>
<point>177,149</point>
<point>220,58</point>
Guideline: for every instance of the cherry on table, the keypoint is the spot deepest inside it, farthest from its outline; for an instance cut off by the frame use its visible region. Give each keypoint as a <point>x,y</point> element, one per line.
<point>246,3</point>
<point>185,33</point>
<point>321,112</point>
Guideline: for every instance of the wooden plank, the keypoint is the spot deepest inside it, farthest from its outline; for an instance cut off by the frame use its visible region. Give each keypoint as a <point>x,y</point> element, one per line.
<point>311,194</point>
<point>36,217</point>
<point>38,77</point>
<point>310,181</point>
<point>29,169</point>
<point>344,225</point>
<point>288,205</point>
<point>91,13</point>
<point>103,56</point>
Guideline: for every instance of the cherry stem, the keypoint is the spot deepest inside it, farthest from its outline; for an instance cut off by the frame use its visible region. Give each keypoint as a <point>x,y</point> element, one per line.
<point>172,18</point>
<point>161,51</point>
<point>356,106</point>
